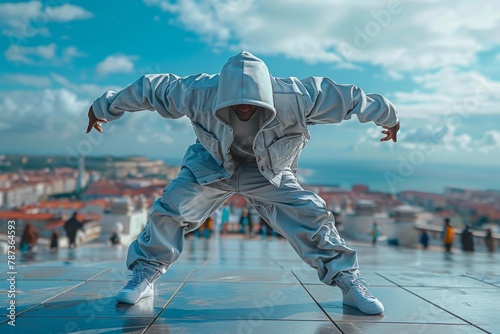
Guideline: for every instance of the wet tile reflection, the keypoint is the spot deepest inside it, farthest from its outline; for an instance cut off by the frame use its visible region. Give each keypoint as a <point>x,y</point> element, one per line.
<point>253,286</point>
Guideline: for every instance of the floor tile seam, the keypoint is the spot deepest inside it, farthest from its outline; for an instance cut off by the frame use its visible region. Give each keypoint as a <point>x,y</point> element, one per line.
<point>434,304</point>
<point>93,264</point>
<point>241,282</point>
<point>458,275</point>
<point>371,285</point>
<point>55,296</point>
<point>47,300</point>
<point>317,303</point>
<point>484,330</point>
<point>51,280</point>
<point>168,302</point>
<point>119,281</point>
<point>203,265</point>
<point>476,279</point>
<point>210,317</point>
<point>242,270</point>
<point>411,323</point>
<point>421,274</point>
<point>400,322</point>
<point>277,263</point>
<point>93,278</point>
<point>446,287</point>
<point>75,317</point>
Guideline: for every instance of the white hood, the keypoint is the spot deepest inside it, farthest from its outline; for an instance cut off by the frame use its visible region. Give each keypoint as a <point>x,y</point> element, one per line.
<point>244,79</point>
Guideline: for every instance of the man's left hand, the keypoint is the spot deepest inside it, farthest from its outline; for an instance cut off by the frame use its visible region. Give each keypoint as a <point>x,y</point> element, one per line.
<point>94,121</point>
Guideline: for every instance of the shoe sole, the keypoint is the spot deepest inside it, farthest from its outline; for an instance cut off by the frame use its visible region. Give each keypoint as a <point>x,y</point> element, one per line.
<point>121,299</point>
<point>367,313</point>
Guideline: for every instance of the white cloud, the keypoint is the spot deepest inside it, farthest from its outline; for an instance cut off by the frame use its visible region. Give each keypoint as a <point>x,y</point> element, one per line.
<point>49,112</point>
<point>30,55</point>
<point>399,36</point>
<point>451,96</point>
<point>28,19</point>
<point>54,121</point>
<point>395,75</point>
<point>91,90</point>
<point>116,64</point>
<point>29,80</point>
<point>438,138</point>
<point>41,55</point>
<point>71,52</point>
<point>142,139</point>
<point>16,16</point>
<point>67,12</point>
<point>490,141</point>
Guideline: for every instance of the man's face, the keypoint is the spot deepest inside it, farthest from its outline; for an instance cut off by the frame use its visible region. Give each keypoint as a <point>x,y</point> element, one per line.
<point>244,111</point>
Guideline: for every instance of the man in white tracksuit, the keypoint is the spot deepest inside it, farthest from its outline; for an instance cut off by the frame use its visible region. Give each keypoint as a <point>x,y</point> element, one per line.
<point>250,128</point>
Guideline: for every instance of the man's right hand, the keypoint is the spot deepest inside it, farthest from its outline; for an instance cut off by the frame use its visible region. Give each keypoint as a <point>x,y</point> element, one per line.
<point>94,121</point>
<point>391,133</point>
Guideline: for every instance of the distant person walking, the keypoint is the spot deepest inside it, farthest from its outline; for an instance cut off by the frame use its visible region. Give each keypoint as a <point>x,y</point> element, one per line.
<point>264,228</point>
<point>467,239</point>
<point>490,241</point>
<point>29,239</point>
<point>424,239</point>
<point>224,219</point>
<point>71,226</point>
<point>54,240</point>
<point>244,221</point>
<point>207,227</point>
<point>116,231</point>
<point>375,233</point>
<point>115,239</point>
<point>448,236</point>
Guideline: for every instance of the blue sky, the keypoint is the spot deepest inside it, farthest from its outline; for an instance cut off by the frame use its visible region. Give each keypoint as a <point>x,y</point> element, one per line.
<point>437,61</point>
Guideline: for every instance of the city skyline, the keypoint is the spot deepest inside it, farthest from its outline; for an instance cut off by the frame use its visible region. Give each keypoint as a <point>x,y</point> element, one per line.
<point>381,176</point>
<point>434,60</point>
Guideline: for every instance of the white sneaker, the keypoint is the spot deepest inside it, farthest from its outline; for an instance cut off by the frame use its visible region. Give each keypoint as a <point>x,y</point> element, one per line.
<point>356,294</point>
<point>139,286</point>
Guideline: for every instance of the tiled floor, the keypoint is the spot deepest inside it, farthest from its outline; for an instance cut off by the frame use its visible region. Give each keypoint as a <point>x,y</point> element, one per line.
<point>231,285</point>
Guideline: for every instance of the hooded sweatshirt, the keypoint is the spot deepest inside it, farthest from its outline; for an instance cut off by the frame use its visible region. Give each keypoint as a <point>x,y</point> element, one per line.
<point>287,106</point>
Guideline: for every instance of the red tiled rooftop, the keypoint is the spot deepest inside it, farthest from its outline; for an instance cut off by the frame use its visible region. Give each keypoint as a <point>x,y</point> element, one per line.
<point>20,215</point>
<point>74,205</point>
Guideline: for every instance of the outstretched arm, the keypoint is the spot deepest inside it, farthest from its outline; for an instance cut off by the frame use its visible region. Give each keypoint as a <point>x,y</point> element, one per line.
<point>160,92</point>
<point>333,103</point>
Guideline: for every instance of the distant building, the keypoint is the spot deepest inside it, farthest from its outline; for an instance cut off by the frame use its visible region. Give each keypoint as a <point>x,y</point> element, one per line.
<point>360,188</point>
<point>123,167</point>
<point>28,186</point>
<point>45,223</point>
<point>402,229</point>
<point>357,225</point>
<point>131,216</point>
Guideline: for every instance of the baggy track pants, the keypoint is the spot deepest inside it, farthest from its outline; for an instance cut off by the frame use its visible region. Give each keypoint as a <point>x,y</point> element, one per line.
<point>299,215</point>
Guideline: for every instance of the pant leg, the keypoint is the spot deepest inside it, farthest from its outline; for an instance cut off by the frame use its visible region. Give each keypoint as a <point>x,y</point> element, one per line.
<point>302,218</point>
<point>183,207</point>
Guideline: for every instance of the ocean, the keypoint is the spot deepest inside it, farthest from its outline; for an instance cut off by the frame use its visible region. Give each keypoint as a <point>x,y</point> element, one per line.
<point>394,177</point>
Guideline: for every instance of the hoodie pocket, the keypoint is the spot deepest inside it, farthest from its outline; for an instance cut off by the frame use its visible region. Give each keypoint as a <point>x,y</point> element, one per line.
<point>284,151</point>
<point>211,144</point>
